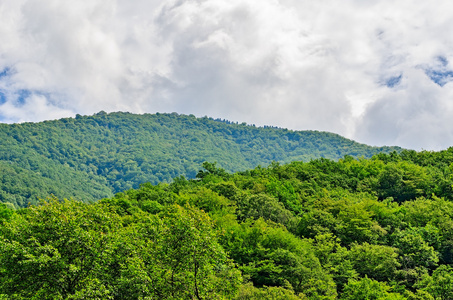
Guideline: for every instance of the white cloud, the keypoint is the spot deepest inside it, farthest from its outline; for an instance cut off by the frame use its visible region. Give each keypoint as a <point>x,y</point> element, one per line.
<point>319,65</point>
<point>31,110</point>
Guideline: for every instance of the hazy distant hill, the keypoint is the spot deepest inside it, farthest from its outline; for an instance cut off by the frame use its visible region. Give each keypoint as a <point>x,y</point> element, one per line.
<point>91,157</point>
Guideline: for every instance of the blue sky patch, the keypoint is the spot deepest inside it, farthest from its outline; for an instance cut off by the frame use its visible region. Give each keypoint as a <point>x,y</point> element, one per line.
<point>440,77</point>
<point>393,81</point>
<point>441,74</point>
<point>2,97</point>
<point>5,72</point>
<point>442,60</point>
<point>22,96</point>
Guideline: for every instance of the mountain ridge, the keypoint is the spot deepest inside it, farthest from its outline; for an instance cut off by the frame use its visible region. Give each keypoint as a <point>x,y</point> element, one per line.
<point>92,157</point>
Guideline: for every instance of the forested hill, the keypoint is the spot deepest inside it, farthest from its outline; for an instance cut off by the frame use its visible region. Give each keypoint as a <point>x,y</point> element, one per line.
<point>92,157</point>
<point>379,228</point>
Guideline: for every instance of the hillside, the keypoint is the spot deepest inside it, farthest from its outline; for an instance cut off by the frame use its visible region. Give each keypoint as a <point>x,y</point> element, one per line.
<point>92,157</point>
<point>379,228</point>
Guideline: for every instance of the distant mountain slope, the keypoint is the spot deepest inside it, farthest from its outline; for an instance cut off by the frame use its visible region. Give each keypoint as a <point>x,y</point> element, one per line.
<point>91,157</point>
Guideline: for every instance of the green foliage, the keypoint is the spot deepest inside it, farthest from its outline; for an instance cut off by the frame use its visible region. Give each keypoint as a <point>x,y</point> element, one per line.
<point>71,250</point>
<point>261,205</point>
<point>349,216</point>
<point>93,157</point>
<point>56,250</point>
<point>5,212</point>
<point>375,261</point>
<point>440,284</point>
<point>370,289</point>
<point>414,250</point>
<point>177,256</point>
<point>249,292</point>
<point>403,181</point>
<point>377,228</point>
<point>272,256</point>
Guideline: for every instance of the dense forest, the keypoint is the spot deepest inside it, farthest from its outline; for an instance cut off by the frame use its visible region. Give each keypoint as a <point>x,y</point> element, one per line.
<point>379,228</point>
<point>94,157</point>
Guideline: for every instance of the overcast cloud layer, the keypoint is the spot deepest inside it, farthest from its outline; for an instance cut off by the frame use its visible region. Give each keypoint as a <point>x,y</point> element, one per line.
<point>378,72</point>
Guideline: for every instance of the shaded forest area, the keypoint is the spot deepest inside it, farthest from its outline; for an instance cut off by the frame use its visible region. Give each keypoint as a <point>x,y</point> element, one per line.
<point>379,228</point>
<point>94,157</point>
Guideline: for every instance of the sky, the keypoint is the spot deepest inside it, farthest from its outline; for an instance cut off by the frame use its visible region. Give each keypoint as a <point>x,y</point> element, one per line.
<point>378,72</point>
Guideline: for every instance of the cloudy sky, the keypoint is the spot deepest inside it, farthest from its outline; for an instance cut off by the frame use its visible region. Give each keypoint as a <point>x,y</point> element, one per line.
<point>379,72</point>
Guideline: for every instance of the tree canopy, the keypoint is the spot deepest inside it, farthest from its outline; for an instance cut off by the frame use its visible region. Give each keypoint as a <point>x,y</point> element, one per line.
<point>321,229</point>
<point>93,157</point>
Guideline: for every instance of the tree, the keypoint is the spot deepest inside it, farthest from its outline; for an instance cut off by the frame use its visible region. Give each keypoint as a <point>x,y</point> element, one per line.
<point>5,212</point>
<point>173,255</point>
<point>262,206</point>
<point>369,289</point>
<point>375,261</point>
<point>212,169</point>
<point>57,250</point>
<point>249,292</point>
<point>440,284</point>
<point>414,250</point>
<point>271,256</point>
<point>403,181</point>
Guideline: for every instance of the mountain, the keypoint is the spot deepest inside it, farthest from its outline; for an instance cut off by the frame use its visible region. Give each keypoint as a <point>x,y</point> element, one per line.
<point>93,157</point>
